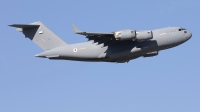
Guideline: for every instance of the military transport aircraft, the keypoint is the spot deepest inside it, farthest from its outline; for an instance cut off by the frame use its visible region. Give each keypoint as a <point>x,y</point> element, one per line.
<point>118,46</point>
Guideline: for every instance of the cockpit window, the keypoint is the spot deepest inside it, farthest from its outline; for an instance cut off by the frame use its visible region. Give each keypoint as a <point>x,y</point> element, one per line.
<point>181,29</point>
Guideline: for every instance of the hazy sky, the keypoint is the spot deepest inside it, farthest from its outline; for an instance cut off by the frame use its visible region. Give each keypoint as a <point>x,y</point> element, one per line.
<point>169,82</point>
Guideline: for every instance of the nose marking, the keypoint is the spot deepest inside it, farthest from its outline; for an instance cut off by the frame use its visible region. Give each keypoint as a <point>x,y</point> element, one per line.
<point>162,33</point>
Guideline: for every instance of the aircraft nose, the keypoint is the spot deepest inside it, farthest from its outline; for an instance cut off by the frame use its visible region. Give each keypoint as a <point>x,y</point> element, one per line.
<point>189,35</point>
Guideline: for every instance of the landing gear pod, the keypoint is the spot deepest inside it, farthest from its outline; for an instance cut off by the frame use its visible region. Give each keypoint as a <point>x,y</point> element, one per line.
<point>151,54</point>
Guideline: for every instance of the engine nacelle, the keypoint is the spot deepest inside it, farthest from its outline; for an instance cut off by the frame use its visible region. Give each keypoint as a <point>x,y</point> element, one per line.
<point>144,35</point>
<point>151,54</point>
<point>125,35</point>
<point>133,35</point>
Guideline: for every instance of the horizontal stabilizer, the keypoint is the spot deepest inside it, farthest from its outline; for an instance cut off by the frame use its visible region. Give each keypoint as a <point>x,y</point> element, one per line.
<point>40,34</point>
<point>24,25</point>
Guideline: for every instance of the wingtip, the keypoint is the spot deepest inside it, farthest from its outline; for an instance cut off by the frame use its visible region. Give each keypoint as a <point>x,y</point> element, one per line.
<point>11,25</point>
<point>76,30</point>
<point>40,56</point>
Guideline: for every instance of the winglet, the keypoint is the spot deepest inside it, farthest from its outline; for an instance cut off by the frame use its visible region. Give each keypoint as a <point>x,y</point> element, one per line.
<point>76,30</point>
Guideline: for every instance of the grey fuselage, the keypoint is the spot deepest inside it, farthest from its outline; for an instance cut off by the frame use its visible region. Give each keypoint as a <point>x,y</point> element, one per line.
<point>120,51</point>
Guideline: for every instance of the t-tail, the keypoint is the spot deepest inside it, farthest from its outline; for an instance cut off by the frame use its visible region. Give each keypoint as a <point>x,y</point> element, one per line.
<point>40,35</point>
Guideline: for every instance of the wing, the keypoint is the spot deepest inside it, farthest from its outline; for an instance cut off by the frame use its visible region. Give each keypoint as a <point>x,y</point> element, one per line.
<point>98,37</point>
<point>24,26</point>
<point>77,31</point>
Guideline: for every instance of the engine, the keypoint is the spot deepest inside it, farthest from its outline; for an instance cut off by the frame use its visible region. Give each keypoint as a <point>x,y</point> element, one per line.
<point>151,54</point>
<point>125,35</point>
<point>133,35</point>
<point>144,35</point>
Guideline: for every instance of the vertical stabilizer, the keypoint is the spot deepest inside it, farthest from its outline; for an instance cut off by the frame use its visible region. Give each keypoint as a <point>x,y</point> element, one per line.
<point>40,34</point>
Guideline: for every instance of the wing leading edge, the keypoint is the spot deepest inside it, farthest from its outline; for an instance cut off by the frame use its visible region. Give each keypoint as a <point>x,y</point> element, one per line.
<point>77,31</point>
